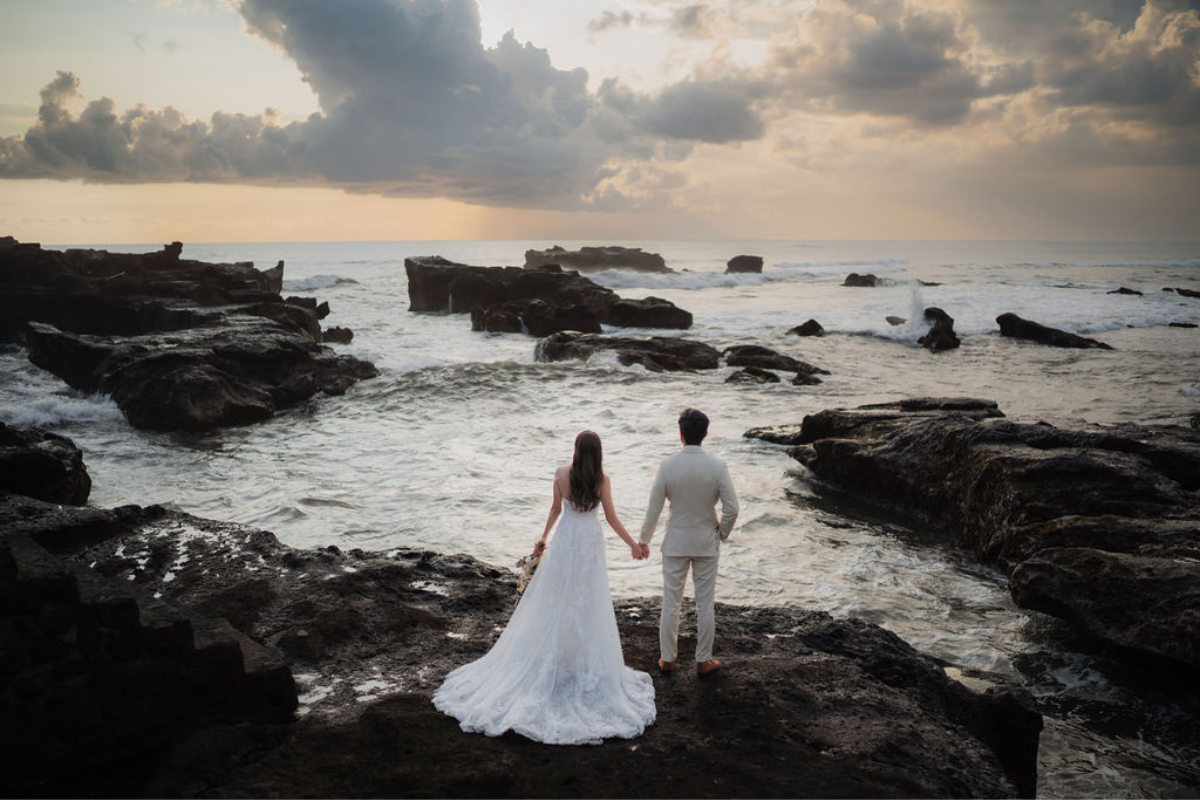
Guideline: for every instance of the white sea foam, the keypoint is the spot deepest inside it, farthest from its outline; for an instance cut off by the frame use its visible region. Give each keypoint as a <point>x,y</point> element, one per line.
<point>59,410</point>
<point>1191,390</point>
<point>315,283</point>
<point>622,279</point>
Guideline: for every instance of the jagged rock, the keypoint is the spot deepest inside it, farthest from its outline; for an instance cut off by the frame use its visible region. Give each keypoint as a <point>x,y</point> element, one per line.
<point>657,354</point>
<point>42,465</point>
<point>941,336</point>
<point>1018,493</point>
<point>1125,290</point>
<point>810,328</point>
<point>1013,326</point>
<point>197,379</point>
<point>865,713</point>
<point>649,312</point>
<point>753,375</point>
<point>596,259</point>
<point>895,320</point>
<point>752,355</point>
<point>744,264</point>
<point>338,335</point>
<point>854,279</point>
<point>435,284</point>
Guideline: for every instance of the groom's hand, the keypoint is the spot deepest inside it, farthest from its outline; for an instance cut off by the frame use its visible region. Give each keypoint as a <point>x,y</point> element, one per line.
<point>645,550</point>
<point>635,550</point>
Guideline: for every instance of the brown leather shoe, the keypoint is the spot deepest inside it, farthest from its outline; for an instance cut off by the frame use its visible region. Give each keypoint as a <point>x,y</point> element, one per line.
<point>666,666</point>
<point>707,667</point>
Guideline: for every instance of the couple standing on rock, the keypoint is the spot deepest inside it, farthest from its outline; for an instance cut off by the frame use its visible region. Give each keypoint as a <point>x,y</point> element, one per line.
<point>557,673</point>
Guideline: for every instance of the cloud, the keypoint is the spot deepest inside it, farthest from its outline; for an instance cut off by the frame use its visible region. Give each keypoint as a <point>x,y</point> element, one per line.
<point>412,104</point>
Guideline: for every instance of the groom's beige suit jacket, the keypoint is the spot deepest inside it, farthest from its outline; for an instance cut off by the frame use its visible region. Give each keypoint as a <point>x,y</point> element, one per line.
<point>694,482</point>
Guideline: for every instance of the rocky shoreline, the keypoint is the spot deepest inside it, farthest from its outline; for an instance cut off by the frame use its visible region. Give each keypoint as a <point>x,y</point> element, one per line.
<point>166,647</point>
<point>1099,526</point>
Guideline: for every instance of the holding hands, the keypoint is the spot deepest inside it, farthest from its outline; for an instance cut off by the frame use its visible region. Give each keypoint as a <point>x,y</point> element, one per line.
<point>640,552</point>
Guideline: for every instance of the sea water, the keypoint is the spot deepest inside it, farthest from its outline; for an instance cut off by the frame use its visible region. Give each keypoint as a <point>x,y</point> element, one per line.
<point>452,448</point>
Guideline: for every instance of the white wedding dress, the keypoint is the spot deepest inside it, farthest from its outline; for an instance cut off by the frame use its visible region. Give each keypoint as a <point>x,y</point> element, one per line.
<point>556,674</point>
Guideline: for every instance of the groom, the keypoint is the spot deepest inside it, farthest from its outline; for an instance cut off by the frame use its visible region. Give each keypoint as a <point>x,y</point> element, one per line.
<point>693,481</point>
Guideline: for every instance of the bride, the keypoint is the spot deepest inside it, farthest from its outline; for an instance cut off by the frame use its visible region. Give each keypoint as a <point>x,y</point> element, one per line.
<point>557,674</point>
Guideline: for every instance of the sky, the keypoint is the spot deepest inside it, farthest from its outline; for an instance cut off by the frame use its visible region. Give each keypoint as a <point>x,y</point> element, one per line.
<point>136,121</point>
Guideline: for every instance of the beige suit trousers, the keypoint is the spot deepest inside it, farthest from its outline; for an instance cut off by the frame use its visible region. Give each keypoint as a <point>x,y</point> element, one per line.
<point>704,578</point>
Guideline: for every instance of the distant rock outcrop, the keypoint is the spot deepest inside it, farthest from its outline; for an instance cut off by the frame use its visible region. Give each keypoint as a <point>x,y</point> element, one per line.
<point>1013,326</point>
<point>854,279</point>
<point>744,264</point>
<point>810,328</point>
<point>753,375</point>
<point>941,336</point>
<point>597,259</point>
<point>752,355</point>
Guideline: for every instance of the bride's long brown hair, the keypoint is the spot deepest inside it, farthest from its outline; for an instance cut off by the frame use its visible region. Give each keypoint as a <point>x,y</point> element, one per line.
<point>587,471</point>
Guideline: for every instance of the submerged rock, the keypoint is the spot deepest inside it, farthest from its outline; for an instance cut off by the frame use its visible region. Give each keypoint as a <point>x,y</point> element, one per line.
<point>854,279</point>
<point>1013,326</point>
<point>657,353</point>
<point>597,259</point>
<point>892,320</point>
<point>1126,290</point>
<point>744,264</point>
<point>810,328</point>
<point>753,375</point>
<point>806,704</point>
<point>1100,526</point>
<point>752,355</point>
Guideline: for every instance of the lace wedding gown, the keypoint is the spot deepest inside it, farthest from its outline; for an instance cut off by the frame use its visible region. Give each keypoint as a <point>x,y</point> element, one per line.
<point>556,674</point>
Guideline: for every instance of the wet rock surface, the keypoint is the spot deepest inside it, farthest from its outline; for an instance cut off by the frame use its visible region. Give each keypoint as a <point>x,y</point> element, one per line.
<point>1099,526</point>
<point>941,335</point>
<point>868,280</point>
<point>1017,328</point>
<point>596,259</point>
<point>43,465</point>
<point>752,355</point>
<point>539,300</point>
<point>809,328</point>
<point>657,353</point>
<point>805,706</point>
<point>753,264</point>
<point>179,344</point>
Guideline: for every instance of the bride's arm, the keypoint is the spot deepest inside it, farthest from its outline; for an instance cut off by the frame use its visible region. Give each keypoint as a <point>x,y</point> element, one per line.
<point>610,514</point>
<point>555,508</point>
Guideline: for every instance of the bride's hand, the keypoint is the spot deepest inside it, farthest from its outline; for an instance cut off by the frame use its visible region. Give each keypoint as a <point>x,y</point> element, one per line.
<point>635,550</point>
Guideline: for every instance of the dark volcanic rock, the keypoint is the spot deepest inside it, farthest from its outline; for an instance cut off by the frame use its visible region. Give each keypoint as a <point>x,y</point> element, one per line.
<point>941,336</point>
<point>649,312</point>
<point>596,259</point>
<point>1186,292</point>
<point>753,375</point>
<point>337,335</point>
<point>657,354</point>
<point>200,378</point>
<point>810,328</point>
<point>891,320</point>
<point>179,344</point>
<point>1106,518</point>
<point>744,264</point>
<point>752,355</point>
<point>854,279</point>
<point>42,465</point>
<point>1125,290</point>
<point>1181,325</point>
<point>806,705</point>
<point>500,293</point>
<point>1017,328</point>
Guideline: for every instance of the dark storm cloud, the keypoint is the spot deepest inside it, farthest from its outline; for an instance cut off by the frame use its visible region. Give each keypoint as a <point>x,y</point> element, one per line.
<point>411,104</point>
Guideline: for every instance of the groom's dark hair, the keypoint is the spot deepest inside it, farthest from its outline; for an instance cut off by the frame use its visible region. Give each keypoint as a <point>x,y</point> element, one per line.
<point>693,425</point>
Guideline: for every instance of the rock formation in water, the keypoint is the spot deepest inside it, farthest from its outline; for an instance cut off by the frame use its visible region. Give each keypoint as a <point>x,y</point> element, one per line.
<point>179,344</point>
<point>941,335</point>
<point>752,375</point>
<point>752,355</point>
<point>597,259</point>
<point>868,280</point>
<point>42,465</point>
<point>500,299</point>
<point>810,328</point>
<point>1099,526</point>
<point>657,353</point>
<point>1015,327</point>
<point>744,264</point>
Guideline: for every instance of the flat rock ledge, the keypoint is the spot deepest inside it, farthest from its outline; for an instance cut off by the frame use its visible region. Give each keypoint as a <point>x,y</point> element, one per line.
<point>597,259</point>
<point>1099,526</point>
<point>178,344</point>
<point>657,353</point>
<point>807,706</point>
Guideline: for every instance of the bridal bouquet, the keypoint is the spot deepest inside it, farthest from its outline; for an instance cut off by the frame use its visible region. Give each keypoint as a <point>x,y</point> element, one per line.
<point>528,565</point>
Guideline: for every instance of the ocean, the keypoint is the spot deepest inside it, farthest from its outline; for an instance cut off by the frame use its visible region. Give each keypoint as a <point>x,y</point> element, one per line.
<point>453,446</point>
